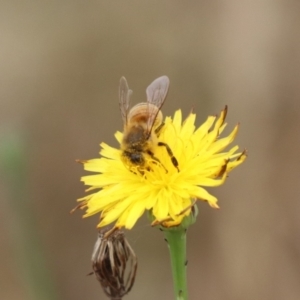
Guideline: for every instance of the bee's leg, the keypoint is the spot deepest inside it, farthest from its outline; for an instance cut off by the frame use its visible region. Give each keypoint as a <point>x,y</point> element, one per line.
<point>158,129</point>
<point>156,159</point>
<point>173,158</point>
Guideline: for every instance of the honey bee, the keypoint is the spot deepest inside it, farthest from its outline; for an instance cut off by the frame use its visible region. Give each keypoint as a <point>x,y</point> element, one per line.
<point>143,123</point>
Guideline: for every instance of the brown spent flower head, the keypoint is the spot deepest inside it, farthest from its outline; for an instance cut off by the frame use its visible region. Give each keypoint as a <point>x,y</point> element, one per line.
<point>114,264</point>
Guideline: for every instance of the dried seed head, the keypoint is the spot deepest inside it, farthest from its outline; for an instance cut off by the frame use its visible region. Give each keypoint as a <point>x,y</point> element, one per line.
<point>114,264</point>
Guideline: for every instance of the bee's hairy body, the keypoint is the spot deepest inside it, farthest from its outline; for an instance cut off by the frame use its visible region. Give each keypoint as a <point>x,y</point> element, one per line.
<point>137,143</point>
<point>142,124</point>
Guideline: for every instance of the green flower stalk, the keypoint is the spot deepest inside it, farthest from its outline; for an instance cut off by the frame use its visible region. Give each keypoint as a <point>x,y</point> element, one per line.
<point>176,239</point>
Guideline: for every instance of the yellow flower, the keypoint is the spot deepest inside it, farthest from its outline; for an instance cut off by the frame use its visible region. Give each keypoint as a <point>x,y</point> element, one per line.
<point>124,194</point>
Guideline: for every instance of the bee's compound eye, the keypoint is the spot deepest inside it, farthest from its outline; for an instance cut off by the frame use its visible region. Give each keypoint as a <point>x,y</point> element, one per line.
<point>137,158</point>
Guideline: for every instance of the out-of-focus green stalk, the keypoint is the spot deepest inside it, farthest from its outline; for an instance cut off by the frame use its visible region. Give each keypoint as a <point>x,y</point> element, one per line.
<point>30,261</point>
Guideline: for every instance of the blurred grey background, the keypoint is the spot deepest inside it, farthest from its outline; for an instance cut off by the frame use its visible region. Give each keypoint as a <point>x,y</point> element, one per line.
<point>60,65</point>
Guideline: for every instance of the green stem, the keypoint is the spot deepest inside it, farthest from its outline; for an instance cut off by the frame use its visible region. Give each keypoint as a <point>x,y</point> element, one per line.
<point>176,238</point>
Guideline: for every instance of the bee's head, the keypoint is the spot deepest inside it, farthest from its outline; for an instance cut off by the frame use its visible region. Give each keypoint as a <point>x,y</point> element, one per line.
<point>133,158</point>
<point>137,158</point>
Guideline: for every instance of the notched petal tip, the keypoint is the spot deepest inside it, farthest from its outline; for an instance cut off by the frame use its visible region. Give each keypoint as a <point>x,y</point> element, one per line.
<point>223,116</point>
<point>243,155</point>
<point>224,112</point>
<point>214,205</point>
<point>81,161</point>
<point>79,206</point>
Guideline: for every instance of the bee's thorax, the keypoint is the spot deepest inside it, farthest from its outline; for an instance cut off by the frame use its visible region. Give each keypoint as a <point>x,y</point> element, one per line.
<point>136,135</point>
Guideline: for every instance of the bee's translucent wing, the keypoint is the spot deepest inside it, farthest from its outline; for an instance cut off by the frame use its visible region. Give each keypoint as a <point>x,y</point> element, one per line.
<point>124,98</point>
<point>156,94</point>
